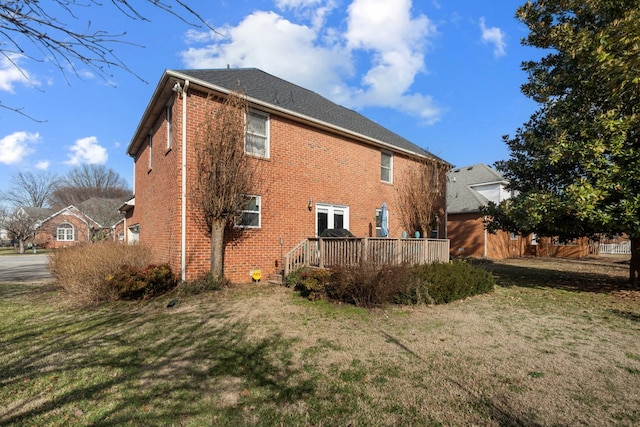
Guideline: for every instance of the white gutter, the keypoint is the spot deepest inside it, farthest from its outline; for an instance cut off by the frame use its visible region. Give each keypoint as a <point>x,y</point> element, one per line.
<point>183,219</point>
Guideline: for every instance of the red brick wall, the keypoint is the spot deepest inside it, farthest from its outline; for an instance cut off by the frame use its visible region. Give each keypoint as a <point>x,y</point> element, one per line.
<point>305,164</point>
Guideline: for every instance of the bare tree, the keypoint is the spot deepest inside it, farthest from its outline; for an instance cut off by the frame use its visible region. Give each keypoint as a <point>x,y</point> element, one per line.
<point>225,176</point>
<point>21,223</point>
<point>30,189</point>
<point>50,31</point>
<point>421,195</point>
<point>88,181</point>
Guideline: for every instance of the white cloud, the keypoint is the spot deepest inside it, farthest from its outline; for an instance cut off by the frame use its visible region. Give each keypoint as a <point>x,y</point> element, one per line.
<point>397,43</point>
<point>43,165</point>
<point>87,150</point>
<point>11,73</point>
<point>382,36</point>
<point>267,41</point>
<point>15,147</point>
<point>495,36</point>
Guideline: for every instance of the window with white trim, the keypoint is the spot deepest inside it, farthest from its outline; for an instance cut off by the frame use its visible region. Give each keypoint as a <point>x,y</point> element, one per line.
<point>150,150</point>
<point>169,125</point>
<point>64,232</point>
<point>256,142</point>
<point>386,166</point>
<point>378,222</point>
<point>251,214</point>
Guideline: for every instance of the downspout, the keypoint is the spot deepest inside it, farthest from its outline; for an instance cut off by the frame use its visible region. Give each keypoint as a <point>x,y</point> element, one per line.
<point>183,219</point>
<point>484,220</point>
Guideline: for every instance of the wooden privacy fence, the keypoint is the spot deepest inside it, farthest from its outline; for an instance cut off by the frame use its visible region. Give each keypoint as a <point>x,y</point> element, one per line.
<point>325,252</point>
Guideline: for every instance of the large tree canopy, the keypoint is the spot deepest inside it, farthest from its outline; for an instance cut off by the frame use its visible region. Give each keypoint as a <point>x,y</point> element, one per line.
<point>88,181</point>
<point>575,164</point>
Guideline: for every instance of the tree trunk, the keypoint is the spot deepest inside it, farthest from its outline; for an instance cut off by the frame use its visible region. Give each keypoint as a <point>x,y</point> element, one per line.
<point>634,265</point>
<point>20,246</point>
<point>217,247</point>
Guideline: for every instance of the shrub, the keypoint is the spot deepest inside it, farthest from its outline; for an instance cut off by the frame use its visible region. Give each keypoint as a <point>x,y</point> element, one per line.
<point>83,270</point>
<point>442,283</point>
<point>207,282</point>
<point>310,282</point>
<point>367,284</point>
<point>132,283</point>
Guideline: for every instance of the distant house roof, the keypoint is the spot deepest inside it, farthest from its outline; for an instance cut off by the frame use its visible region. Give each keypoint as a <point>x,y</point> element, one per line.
<point>37,213</point>
<point>461,197</point>
<point>275,95</point>
<point>103,211</point>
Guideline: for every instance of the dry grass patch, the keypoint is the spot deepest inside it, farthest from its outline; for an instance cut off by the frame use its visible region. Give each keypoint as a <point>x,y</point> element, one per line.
<point>540,350</point>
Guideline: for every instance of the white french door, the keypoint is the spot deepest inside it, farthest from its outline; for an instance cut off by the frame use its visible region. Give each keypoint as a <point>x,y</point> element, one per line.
<point>331,216</point>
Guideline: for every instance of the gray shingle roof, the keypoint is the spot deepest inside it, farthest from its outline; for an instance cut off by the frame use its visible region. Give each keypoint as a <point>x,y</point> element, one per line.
<point>461,198</point>
<point>284,95</point>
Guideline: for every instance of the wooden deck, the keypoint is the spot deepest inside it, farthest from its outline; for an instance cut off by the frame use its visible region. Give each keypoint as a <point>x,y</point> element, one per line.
<point>326,252</point>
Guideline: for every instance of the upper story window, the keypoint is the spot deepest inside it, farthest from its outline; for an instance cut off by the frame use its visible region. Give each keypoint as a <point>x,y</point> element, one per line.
<point>169,110</point>
<point>150,150</point>
<point>256,142</point>
<point>386,166</point>
<point>64,232</point>
<point>251,214</point>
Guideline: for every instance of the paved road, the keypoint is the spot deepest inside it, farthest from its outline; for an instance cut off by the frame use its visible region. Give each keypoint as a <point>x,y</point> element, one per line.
<point>23,268</point>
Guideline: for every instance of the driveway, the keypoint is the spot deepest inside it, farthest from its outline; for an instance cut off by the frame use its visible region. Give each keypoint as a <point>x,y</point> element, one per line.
<point>24,268</point>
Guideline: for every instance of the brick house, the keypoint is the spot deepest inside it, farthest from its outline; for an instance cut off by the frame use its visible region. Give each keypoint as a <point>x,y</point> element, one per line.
<point>323,167</point>
<point>93,219</point>
<point>473,187</point>
<point>468,189</point>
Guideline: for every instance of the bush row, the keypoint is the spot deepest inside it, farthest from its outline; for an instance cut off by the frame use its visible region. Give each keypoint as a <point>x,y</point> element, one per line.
<point>370,285</point>
<point>109,271</point>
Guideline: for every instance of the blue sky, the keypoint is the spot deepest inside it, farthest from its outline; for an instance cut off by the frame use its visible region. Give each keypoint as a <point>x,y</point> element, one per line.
<point>444,74</point>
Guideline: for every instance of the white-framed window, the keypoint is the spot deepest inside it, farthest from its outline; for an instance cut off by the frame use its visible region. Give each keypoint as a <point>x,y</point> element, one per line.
<point>379,223</point>
<point>64,232</point>
<point>251,216</point>
<point>169,110</point>
<point>150,139</point>
<point>256,142</point>
<point>386,166</point>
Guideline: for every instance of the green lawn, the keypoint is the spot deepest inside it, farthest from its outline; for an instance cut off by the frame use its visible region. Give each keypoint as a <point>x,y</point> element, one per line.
<point>554,345</point>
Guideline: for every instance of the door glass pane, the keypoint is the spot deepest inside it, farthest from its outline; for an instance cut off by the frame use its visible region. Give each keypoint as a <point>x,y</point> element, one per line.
<point>323,221</point>
<point>338,220</point>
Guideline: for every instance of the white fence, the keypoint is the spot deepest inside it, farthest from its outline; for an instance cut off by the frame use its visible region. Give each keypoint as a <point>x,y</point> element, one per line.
<point>623,248</point>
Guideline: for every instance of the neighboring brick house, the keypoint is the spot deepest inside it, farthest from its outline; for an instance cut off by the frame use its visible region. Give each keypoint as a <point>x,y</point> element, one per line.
<point>324,166</point>
<point>65,227</point>
<point>472,187</point>
<point>468,189</point>
<point>94,219</point>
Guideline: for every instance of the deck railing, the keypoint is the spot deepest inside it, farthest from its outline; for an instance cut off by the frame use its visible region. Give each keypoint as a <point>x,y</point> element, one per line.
<point>326,252</point>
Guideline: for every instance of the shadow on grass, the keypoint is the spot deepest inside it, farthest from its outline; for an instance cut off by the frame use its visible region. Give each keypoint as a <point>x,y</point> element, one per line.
<point>127,364</point>
<point>629,315</point>
<point>568,279</point>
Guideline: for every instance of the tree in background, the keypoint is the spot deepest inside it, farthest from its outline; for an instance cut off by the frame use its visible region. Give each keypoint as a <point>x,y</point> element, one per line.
<point>21,223</point>
<point>226,176</point>
<point>30,189</point>
<point>421,194</point>
<point>575,164</point>
<point>51,32</point>
<point>88,181</point>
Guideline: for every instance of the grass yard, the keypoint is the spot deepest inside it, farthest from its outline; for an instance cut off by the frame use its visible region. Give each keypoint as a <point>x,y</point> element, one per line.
<point>557,343</point>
